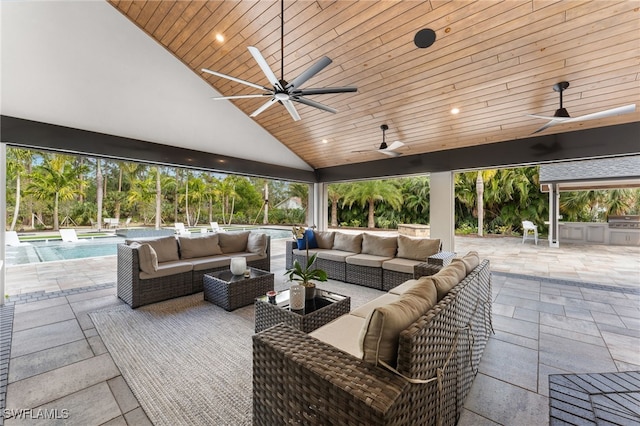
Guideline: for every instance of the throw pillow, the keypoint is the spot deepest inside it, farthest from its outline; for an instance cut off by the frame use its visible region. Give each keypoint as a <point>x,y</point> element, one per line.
<point>233,242</point>
<point>147,257</point>
<point>379,246</point>
<point>257,243</point>
<point>445,280</point>
<point>347,242</point>
<point>381,331</point>
<point>324,239</point>
<point>310,238</point>
<point>471,260</point>
<point>199,246</point>
<point>425,288</point>
<point>417,248</point>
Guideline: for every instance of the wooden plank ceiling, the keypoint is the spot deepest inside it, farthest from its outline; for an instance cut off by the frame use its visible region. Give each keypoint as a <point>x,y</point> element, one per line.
<point>495,61</point>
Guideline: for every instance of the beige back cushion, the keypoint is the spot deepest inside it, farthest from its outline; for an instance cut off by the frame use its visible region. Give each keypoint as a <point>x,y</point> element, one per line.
<point>417,248</point>
<point>257,243</point>
<point>147,257</point>
<point>425,288</point>
<point>324,239</point>
<point>379,246</point>
<point>347,242</point>
<point>471,260</point>
<point>233,242</point>
<point>448,278</point>
<point>199,246</point>
<point>381,331</point>
<point>166,247</point>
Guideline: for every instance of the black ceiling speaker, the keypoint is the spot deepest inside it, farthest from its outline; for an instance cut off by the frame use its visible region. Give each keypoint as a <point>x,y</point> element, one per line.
<point>424,38</point>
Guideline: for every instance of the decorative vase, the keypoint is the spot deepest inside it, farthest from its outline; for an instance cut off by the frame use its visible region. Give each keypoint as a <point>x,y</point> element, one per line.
<point>238,265</point>
<point>296,297</point>
<point>309,291</point>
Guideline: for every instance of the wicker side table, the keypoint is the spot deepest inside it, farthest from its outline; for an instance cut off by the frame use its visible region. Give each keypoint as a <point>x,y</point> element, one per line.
<point>443,258</point>
<point>324,308</point>
<point>234,291</point>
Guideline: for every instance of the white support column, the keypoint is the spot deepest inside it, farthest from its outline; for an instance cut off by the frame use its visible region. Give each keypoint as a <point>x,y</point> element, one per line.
<point>3,215</point>
<point>442,213</point>
<point>554,215</point>
<point>318,206</point>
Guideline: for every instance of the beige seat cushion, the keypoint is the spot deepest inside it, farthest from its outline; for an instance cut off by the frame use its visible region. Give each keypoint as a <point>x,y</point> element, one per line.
<point>347,242</point>
<point>365,310</point>
<point>257,243</point>
<point>334,255</point>
<point>369,260</point>
<point>147,257</point>
<point>303,252</point>
<point>324,239</point>
<point>168,268</point>
<point>233,242</point>
<point>342,333</point>
<point>166,247</point>
<point>199,246</point>
<point>249,256</point>
<point>379,336</point>
<point>400,264</point>
<point>203,263</point>
<point>379,246</point>
<point>417,248</point>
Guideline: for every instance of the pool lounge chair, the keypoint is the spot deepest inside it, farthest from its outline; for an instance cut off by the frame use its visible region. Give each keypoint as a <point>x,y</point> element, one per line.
<point>69,236</point>
<point>180,229</point>
<point>215,227</point>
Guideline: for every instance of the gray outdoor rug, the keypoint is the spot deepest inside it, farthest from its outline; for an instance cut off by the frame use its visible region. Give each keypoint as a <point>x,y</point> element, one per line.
<point>188,361</point>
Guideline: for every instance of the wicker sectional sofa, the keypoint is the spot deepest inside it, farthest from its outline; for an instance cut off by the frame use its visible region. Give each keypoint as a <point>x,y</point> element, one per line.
<point>408,357</point>
<point>366,259</point>
<point>154,269</point>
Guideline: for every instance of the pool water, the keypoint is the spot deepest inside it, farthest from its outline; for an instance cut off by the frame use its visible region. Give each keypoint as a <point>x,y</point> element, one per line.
<point>51,251</point>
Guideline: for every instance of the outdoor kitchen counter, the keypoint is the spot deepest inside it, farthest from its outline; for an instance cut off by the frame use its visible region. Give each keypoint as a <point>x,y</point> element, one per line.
<point>598,233</point>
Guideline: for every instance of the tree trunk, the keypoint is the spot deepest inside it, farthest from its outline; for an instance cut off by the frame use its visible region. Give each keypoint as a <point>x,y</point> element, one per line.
<point>158,200</point>
<point>17,209</point>
<point>56,224</point>
<point>334,213</point>
<point>372,210</point>
<point>265,220</point>
<point>480,202</point>
<point>99,192</point>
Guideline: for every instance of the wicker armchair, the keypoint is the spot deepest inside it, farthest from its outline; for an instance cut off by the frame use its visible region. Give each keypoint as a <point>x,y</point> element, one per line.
<point>299,379</point>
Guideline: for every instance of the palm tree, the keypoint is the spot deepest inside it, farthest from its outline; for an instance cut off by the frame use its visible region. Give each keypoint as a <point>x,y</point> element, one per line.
<point>481,178</point>
<point>56,178</point>
<point>18,162</point>
<point>227,191</point>
<point>416,192</point>
<point>369,192</point>
<point>336,192</point>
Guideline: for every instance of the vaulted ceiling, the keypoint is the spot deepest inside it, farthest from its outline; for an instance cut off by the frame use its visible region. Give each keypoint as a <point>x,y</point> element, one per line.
<point>495,61</point>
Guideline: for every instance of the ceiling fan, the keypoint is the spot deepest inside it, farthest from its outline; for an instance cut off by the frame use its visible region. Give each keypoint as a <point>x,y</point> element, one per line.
<point>562,115</point>
<point>390,150</point>
<point>283,91</point>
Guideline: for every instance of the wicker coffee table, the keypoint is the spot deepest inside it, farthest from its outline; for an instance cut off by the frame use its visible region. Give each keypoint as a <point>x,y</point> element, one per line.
<point>234,291</point>
<point>322,309</point>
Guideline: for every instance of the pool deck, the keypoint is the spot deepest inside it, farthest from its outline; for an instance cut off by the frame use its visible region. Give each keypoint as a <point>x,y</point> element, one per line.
<point>617,266</point>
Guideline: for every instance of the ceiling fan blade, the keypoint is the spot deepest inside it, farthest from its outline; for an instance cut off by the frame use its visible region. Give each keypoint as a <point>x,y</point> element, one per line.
<point>263,107</point>
<point>603,114</point>
<point>325,90</point>
<point>314,104</point>
<point>309,72</point>
<point>292,110</point>
<point>395,145</point>
<point>389,152</point>
<point>265,67</point>
<point>220,98</point>
<point>237,80</point>
<point>547,117</point>
<point>546,126</point>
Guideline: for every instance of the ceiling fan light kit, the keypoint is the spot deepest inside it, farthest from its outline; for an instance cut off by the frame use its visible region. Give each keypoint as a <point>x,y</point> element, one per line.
<point>282,91</point>
<point>562,115</point>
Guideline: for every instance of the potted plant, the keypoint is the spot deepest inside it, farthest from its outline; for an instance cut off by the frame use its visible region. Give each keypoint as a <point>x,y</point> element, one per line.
<point>305,275</point>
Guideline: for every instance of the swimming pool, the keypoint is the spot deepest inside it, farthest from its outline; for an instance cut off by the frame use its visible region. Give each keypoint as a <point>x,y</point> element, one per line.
<point>51,251</point>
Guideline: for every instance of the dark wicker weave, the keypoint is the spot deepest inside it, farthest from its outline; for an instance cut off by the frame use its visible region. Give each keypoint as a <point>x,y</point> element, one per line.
<point>364,275</point>
<point>299,379</point>
<point>136,292</point>
<point>220,289</point>
<point>288,254</point>
<point>426,270</point>
<point>335,270</point>
<point>268,315</point>
<point>391,279</point>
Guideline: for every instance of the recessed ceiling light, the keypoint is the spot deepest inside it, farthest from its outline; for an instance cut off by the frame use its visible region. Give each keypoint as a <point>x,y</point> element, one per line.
<point>219,37</point>
<point>455,110</point>
<point>325,141</point>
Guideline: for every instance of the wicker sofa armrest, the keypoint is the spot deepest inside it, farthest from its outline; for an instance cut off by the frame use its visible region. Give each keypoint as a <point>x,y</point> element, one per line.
<point>297,378</point>
<point>128,272</point>
<point>289,247</point>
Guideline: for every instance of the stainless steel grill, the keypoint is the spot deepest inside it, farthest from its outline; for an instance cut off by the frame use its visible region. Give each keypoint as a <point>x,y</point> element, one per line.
<point>624,222</point>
